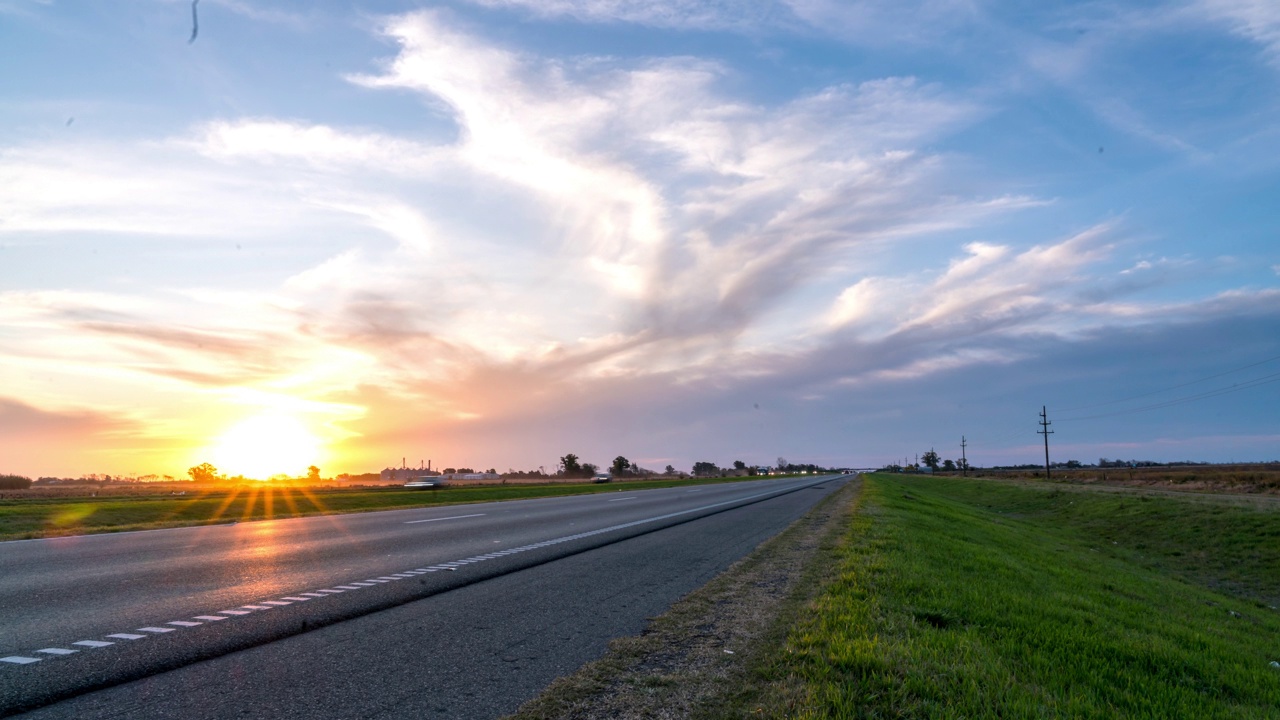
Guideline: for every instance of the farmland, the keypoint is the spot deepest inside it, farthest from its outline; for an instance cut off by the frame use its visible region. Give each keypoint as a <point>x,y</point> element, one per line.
<point>75,510</point>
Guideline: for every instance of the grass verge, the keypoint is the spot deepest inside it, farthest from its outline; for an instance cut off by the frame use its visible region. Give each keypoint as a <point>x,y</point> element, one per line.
<point>52,517</point>
<point>964,599</point>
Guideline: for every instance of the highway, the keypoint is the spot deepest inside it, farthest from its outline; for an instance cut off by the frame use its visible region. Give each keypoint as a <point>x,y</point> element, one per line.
<point>460,611</point>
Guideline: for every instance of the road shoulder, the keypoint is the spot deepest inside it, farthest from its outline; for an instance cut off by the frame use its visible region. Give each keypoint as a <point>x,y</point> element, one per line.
<point>694,659</point>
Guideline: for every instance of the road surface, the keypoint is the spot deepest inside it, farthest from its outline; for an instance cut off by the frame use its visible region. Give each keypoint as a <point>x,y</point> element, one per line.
<point>461,611</point>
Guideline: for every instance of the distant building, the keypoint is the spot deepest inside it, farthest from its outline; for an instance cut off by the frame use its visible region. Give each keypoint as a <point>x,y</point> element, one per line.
<point>403,474</point>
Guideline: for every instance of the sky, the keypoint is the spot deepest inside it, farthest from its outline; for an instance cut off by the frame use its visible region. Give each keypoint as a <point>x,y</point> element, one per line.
<point>488,233</point>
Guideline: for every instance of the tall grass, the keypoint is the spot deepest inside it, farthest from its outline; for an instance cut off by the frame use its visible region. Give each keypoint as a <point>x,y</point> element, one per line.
<point>971,599</point>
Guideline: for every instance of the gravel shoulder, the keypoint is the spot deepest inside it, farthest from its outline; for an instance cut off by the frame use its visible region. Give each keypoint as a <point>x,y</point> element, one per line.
<point>696,659</point>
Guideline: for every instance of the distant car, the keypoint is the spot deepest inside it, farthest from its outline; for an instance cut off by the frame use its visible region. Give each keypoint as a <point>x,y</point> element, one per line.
<point>425,483</point>
<point>602,478</point>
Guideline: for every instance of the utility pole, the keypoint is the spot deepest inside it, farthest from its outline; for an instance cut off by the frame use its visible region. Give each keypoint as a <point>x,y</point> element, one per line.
<point>964,462</point>
<point>1046,432</point>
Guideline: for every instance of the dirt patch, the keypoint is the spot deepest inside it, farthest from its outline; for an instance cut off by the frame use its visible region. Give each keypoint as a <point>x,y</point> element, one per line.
<point>692,660</point>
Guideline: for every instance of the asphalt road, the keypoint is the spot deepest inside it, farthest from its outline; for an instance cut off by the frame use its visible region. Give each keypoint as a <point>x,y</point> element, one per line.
<point>462,611</point>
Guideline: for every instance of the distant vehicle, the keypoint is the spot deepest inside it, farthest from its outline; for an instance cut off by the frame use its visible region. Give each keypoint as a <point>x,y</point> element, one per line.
<point>427,482</point>
<point>601,477</point>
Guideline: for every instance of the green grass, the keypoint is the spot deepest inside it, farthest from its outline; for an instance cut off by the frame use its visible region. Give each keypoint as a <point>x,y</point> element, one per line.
<point>47,517</point>
<point>973,599</point>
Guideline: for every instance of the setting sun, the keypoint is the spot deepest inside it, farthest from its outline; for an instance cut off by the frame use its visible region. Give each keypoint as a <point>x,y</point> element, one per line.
<point>266,445</point>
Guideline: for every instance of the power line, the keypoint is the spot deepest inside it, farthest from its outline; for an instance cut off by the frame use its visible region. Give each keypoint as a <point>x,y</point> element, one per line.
<point>1256,382</point>
<point>1174,387</point>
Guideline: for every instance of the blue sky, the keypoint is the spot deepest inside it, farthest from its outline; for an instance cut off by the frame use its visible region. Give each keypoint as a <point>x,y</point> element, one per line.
<point>490,232</point>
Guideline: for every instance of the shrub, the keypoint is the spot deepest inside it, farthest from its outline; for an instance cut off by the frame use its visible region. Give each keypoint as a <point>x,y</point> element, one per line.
<point>14,482</point>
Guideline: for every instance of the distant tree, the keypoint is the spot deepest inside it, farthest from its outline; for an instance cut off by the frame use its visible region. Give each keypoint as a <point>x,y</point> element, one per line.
<point>739,465</point>
<point>705,468</point>
<point>14,482</point>
<point>491,471</point>
<point>948,465</point>
<point>1073,464</point>
<point>204,472</point>
<point>669,471</point>
<point>313,474</point>
<point>589,469</point>
<point>450,471</point>
<point>782,464</point>
<point>570,466</point>
<point>931,459</point>
<point>619,467</point>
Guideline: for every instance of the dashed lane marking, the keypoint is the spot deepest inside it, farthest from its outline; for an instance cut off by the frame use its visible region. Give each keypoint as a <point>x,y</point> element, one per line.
<point>337,589</point>
<point>455,517</point>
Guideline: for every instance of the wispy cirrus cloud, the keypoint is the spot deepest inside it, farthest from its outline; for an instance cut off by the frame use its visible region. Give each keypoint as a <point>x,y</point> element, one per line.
<point>601,233</point>
<point>1256,20</point>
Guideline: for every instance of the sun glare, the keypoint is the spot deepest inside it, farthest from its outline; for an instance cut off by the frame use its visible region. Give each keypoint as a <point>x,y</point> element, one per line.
<point>266,445</point>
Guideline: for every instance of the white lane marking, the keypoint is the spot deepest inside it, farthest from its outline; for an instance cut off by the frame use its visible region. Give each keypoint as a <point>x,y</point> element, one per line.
<point>455,517</point>
<point>19,660</point>
<point>270,604</point>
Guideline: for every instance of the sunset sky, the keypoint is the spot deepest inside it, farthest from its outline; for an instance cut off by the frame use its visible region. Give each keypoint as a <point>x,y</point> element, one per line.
<point>492,232</point>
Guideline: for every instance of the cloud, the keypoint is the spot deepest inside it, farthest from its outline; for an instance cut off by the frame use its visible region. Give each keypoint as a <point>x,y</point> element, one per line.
<point>612,243</point>
<point>1256,20</point>
<point>706,14</point>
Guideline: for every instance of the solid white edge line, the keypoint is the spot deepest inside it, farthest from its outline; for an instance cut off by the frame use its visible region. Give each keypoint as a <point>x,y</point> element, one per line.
<point>270,604</point>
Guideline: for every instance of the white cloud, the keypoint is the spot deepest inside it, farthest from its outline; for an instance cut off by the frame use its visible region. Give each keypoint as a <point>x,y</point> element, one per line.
<point>1256,20</point>
<point>657,13</point>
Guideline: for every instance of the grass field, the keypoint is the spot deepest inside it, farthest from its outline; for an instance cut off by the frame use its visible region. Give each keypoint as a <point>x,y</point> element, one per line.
<point>31,517</point>
<point>975,599</point>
